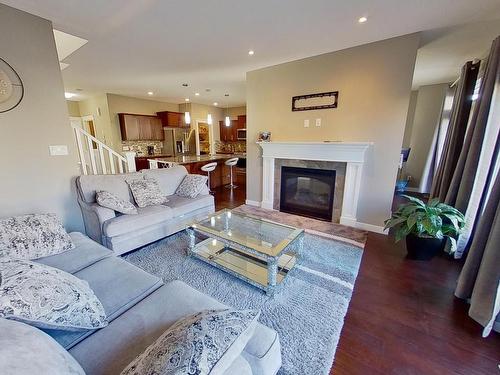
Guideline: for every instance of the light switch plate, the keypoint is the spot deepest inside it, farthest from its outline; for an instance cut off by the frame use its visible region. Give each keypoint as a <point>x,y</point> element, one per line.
<point>318,122</point>
<point>306,123</point>
<point>58,150</point>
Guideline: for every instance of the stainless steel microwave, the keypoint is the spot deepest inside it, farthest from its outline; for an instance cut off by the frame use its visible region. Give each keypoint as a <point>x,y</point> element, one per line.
<point>241,134</point>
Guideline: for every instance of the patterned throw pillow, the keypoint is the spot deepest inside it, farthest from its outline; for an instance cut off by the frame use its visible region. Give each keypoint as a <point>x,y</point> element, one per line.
<point>33,236</point>
<point>109,200</point>
<point>147,192</point>
<point>191,186</point>
<point>204,343</point>
<point>46,297</point>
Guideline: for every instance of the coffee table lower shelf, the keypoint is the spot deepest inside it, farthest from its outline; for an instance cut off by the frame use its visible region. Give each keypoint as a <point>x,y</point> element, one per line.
<point>248,267</point>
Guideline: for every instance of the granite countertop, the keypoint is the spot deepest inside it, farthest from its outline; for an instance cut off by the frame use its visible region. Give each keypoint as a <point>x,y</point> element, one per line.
<point>188,159</point>
<point>155,156</point>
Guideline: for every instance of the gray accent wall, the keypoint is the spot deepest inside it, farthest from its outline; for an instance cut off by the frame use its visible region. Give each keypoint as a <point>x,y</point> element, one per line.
<point>31,179</point>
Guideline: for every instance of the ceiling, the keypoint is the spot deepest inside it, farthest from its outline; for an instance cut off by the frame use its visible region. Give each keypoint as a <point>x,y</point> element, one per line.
<point>443,51</point>
<point>136,46</point>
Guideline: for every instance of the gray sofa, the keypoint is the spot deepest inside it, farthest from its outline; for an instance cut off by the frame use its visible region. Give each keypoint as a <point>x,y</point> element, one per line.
<point>123,233</point>
<point>140,307</point>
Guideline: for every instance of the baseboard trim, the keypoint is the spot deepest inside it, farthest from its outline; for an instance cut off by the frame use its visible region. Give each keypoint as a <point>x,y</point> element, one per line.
<point>252,203</point>
<point>371,228</point>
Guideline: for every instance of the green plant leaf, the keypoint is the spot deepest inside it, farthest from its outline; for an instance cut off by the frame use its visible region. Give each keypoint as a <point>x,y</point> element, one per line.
<point>454,221</point>
<point>433,202</point>
<point>414,200</point>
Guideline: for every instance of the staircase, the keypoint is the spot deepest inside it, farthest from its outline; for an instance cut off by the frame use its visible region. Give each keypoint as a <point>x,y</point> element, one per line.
<point>97,158</point>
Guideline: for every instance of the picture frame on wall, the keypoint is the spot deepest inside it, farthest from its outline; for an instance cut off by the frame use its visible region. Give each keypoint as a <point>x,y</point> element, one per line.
<point>309,102</point>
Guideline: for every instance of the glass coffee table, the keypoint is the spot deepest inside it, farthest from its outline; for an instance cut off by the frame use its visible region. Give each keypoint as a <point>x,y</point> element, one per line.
<point>259,251</point>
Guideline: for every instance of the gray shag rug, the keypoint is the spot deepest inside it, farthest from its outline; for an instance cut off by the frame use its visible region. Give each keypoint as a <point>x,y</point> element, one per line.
<point>308,312</point>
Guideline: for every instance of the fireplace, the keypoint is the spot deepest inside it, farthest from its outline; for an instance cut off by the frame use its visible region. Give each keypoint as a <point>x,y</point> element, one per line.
<point>307,192</point>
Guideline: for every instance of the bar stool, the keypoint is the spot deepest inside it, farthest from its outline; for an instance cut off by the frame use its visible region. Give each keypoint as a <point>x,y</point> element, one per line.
<point>209,167</point>
<point>231,163</point>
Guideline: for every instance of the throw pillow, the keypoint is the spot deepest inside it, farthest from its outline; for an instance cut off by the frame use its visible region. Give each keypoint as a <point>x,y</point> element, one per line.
<point>109,200</point>
<point>26,350</point>
<point>33,236</point>
<point>147,192</point>
<point>203,343</point>
<point>47,297</point>
<point>191,186</point>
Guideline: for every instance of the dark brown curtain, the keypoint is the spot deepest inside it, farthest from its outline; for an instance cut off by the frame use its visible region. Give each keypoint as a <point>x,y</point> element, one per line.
<point>480,276</point>
<point>457,128</point>
<point>463,178</point>
<point>479,279</point>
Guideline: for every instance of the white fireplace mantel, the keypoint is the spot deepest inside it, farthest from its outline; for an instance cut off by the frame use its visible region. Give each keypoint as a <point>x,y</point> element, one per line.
<point>351,153</point>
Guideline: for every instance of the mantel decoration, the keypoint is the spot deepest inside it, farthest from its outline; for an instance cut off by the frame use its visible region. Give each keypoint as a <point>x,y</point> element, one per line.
<point>264,137</point>
<point>11,87</point>
<point>323,100</point>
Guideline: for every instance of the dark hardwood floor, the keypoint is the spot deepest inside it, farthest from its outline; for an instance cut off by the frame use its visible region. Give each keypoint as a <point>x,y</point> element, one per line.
<point>403,317</point>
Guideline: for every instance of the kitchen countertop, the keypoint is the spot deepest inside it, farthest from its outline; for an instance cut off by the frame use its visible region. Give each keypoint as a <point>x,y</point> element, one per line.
<point>155,156</point>
<point>195,159</point>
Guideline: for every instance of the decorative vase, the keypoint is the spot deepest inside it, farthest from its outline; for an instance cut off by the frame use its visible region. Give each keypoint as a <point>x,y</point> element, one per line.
<point>423,248</point>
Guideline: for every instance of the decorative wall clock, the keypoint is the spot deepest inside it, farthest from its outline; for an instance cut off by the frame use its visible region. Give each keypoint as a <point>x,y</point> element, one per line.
<point>11,87</point>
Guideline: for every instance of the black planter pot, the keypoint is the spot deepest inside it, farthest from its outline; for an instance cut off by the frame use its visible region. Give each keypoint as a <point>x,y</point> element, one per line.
<point>420,248</point>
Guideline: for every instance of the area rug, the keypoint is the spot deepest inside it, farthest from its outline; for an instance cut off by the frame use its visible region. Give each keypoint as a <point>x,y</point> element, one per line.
<point>308,312</point>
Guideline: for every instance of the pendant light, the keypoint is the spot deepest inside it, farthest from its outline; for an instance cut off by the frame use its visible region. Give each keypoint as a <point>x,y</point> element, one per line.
<point>209,119</point>
<point>187,118</point>
<point>227,119</point>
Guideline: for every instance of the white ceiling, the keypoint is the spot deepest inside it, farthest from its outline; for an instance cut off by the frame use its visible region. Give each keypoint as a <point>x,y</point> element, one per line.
<point>136,46</point>
<point>443,51</point>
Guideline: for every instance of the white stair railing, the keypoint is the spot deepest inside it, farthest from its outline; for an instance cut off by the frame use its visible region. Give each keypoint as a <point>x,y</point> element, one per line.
<point>155,164</point>
<point>97,158</point>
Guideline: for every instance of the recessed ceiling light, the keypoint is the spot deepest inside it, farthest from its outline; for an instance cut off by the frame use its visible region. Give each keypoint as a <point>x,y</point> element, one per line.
<point>362,19</point>
<point>150,93</point>
<point>186,100</point>
<point>251,52</point>
<point>68,95</point>
<point>216,104</point>
<point>197,93</point>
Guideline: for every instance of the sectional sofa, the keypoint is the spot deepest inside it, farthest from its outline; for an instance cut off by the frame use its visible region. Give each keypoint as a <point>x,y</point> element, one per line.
<point>123,233</point>
<point>139,308</point>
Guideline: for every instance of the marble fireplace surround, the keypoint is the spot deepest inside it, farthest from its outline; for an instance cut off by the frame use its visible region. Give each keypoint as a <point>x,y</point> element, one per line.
<point>351,154</point>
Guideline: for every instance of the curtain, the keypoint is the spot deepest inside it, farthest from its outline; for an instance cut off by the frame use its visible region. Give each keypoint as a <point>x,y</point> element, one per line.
<point>456,131</point>
<point>479,279</point>
<point>475,188</point>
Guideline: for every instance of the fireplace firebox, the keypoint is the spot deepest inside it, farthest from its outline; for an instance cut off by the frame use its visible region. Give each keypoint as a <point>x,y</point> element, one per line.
<point>307,192</point>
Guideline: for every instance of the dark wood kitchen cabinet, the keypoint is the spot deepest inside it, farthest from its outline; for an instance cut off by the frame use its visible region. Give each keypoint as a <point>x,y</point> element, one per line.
<point>140,127</point>
<point>172,119</point>
<point>230,133</point>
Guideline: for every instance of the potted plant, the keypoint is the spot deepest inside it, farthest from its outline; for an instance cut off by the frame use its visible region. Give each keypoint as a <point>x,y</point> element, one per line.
<point>426,226</point>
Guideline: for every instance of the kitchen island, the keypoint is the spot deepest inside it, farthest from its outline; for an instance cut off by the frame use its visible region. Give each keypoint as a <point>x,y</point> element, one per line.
<point>221,175</point>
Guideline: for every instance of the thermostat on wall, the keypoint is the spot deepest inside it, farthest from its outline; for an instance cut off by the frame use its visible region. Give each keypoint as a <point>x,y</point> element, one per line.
<point>58,150</point>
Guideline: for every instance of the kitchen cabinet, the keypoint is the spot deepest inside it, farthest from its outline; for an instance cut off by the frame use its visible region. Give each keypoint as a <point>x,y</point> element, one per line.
<point>140,127</point>
<point>172,119</point>
<point>230,133</point>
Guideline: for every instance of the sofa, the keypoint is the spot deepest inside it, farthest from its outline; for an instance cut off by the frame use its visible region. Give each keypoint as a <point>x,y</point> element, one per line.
<point>139,308</point>
<point>123,233</point>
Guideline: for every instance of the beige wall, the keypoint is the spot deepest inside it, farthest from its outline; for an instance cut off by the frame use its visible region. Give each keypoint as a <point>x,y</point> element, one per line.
<point>73,108</point>
<point>426,117</point>
<point>200,112</point>
<point>236,111</point>
<point>32,180</point>
<point>97,107</point>
<point>409,119</point>
<point>374,84</point>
